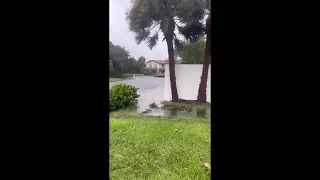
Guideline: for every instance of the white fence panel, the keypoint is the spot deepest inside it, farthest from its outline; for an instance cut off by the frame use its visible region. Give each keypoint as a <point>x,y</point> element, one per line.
<point>188,80</point>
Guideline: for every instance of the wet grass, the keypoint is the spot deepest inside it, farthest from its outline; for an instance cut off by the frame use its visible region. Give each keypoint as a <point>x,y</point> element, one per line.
<point>131,74</point>
<point>144,147</point>
<point>131,112</point>
<point>126,112</point>
<point>114,79</point>
<point>186,105</point>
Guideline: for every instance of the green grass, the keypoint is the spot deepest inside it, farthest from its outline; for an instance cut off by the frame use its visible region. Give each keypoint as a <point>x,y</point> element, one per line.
<point>114,79</point>
<point>144,147</point>
<point>192,105</point>
<point>131,74</point>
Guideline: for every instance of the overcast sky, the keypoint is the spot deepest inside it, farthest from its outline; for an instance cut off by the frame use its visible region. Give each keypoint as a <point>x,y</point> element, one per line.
<point>120,34</point>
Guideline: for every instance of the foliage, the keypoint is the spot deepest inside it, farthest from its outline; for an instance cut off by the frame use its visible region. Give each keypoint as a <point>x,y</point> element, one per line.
<point>121,95</point>
<point>153,106</point>
<point>121,61</point>
<point>115,73</point>
<point>141,62</point>
<point>142,59</point>
<point>192,53</point>
<point>183,15</point>
<point>117,55</point>
<point>186,105</point>
<point>129,65</point>
<point>146,71</point>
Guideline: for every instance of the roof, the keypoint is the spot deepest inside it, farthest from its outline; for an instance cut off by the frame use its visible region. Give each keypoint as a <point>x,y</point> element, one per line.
<point>159,61</point>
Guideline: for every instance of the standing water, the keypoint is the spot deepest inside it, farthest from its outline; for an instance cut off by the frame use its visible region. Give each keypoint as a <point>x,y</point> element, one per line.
<point>151,91</point>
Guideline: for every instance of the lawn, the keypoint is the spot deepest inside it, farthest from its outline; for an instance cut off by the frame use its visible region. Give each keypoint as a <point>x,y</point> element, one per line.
<point>114,79</point>
<point>158,148</point>
<point>131,74</point>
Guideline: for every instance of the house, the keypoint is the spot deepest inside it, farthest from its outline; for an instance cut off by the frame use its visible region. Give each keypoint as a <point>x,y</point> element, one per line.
<point>156,66</point>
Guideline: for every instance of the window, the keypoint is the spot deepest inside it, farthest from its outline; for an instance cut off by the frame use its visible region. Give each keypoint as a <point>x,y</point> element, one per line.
<point>155,65</point>
<point>162,65</point>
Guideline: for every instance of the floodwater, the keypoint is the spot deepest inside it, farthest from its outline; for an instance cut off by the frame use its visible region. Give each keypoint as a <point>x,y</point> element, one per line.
<point>151,90</point>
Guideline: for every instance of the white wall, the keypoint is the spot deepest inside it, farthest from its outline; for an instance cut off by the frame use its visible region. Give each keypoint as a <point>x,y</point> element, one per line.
<point>188,80</point>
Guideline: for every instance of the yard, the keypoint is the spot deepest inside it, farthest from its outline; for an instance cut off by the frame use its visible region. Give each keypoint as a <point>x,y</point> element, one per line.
<point>114,79</point>
<point>158,148</point>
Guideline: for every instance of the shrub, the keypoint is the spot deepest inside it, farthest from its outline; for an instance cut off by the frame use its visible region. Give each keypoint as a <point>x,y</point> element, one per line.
<point>121,95</point>
<point>153,106</point>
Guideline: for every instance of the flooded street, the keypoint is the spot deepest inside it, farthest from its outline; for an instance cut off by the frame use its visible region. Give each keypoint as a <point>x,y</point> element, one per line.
<point>151,90</point>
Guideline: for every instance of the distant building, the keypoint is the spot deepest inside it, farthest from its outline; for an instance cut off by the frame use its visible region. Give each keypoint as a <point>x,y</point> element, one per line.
<point>157,66</point>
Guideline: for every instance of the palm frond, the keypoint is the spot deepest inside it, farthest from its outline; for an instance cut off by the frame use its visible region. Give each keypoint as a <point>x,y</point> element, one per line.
<point>156,5</point>
<point>152,41</point>
<point>141,36</point>
<point>192,31</point>
<point>190,10</point>
<point>139,17</point>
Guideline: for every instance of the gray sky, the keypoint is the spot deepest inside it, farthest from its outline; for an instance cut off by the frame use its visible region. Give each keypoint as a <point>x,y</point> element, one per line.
<point>120,34</point>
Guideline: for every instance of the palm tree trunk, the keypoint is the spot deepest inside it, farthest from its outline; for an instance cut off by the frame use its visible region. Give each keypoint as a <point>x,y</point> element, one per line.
<point>202,92</point>
<point>172,69</point>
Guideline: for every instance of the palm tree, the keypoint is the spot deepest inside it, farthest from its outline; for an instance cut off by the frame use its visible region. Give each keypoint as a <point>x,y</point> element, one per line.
<point>168,15</point>
<point>202,92</point>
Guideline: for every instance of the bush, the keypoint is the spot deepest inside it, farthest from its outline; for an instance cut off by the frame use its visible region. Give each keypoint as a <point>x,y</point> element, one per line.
<point>121,95</point>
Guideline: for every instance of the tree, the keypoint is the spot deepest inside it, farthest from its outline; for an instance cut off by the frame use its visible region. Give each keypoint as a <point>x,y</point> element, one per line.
<point>142,59</point>
<point>117,55</point>
<point>192,53</point>
<point>141,62</point>
<point>184,15</point>
<point>129,65</point>
<point>121,62</point>
<point>110,65</point>
<point>202,92</point>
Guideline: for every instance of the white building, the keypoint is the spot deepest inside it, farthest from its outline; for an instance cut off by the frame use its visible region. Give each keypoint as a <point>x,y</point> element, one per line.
<point>157,66</point>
